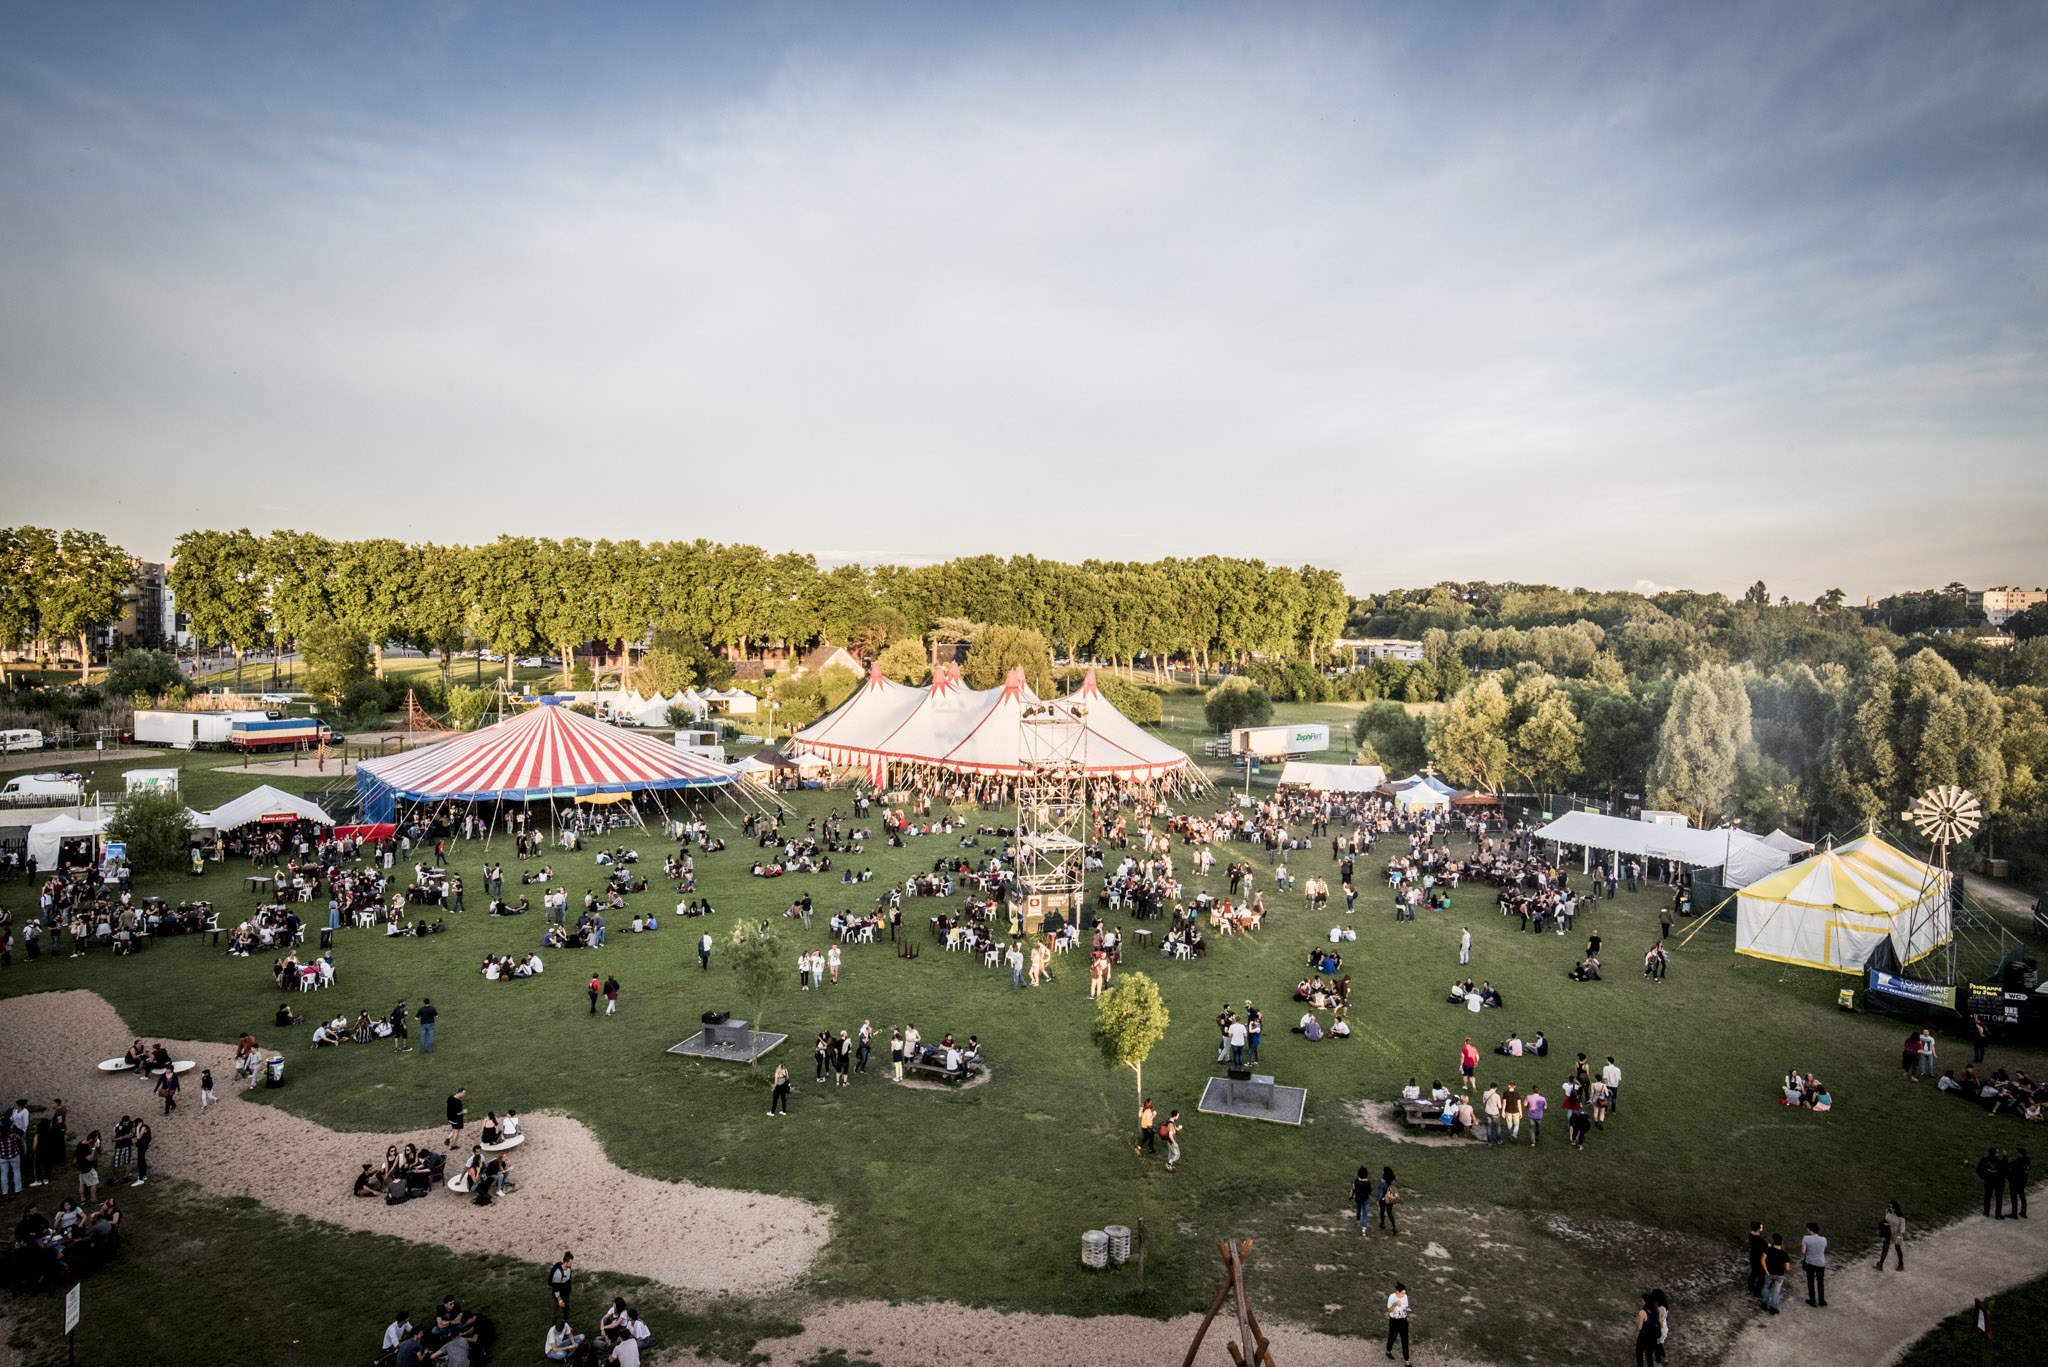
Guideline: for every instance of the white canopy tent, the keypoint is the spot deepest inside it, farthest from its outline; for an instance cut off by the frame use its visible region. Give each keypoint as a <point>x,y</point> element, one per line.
<point>1790,844</point>
<point>1332,778</point>
<point>46,838</point>
<point>1418,794</point>
<point>263,804</point>
<point>1745,857</point>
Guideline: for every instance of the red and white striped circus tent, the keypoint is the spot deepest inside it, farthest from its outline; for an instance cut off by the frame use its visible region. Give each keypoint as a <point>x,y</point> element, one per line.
<point>546,752</point>
<point>958,729</point>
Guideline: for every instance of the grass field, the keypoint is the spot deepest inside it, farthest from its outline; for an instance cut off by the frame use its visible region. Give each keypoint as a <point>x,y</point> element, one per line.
<point>981,1196</point>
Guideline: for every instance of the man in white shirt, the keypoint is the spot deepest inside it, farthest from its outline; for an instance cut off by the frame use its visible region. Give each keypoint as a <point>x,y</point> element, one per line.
<point>703,944</point>
<point>395,1333</point>
<point>1611,1075</point>
<point>1491,1104</point>
<point>1237,1041</point>
<point>625,1349</point>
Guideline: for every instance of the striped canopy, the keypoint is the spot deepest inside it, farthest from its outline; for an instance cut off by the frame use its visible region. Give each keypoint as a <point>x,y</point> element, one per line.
<point>1834,909</point>
<point>547,752</point>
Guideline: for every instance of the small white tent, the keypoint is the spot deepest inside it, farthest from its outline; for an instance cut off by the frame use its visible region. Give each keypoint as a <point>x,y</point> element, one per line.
<point>1418,794</point>
<point>46,838</point>
<point>1332,778</point>
<point>265,804</point>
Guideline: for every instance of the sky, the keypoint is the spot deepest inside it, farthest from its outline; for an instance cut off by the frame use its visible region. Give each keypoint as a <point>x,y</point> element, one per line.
<point>1610,295</point>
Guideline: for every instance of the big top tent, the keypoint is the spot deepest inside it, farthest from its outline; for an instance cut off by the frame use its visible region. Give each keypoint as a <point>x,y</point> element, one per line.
<point>958,729</point>
<point>546,752</point>
<point>1839,907</point>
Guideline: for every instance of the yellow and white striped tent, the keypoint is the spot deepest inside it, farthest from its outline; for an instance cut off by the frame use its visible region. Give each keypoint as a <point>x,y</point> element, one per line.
<point>1834,909</point>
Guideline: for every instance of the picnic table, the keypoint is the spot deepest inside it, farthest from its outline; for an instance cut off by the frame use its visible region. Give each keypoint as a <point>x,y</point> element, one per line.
<point>255,882</point>
<point>1422,1114</point>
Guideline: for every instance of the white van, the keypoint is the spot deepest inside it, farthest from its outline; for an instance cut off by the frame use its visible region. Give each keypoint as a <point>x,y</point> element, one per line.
<point>152,780</point>
<point>43,788</point>
<point>23,739</point>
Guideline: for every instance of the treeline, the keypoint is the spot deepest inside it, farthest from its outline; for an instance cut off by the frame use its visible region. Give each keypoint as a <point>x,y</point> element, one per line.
<point>519,594</point>
<point>60,586</point>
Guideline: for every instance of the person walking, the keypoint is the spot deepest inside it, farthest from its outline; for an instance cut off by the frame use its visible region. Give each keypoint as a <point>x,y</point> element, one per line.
<point>1757,1244</point>
<point>611,994</point>
<point>1148,1119</point>
<point>1361,1199</point>
<point>778,1095</point>
<point>206,1096</point>
<point>1534,1109</point>
<point>867,1045</point>
<point>1991,1172</point>
<point>1611,1075</point>
<point>1390,1196</point>
<point>1397,1321</point>
<point>1170,1132</point>
<point>458,1112</point>
<point>704,951</point>
<point>596,989</point>
<point>1511,1113</point>
<point>401,1037</point>
<point>429,1013</point>
<point>1490,1103</point>
<point>1777,1262</point>
<point>1465,946</point>
<point>167,1087</point>
<point>2019,1170</point>
<point>1891,1228</point>
<point>1468,1064</point>
<point>1813,1256</point>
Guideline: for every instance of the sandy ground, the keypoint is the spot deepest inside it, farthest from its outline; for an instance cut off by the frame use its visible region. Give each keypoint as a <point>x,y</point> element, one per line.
<point>1378,1116</point>
<point>1873,1317</point>
<point>572,1195</point>
<point>1999,895</point>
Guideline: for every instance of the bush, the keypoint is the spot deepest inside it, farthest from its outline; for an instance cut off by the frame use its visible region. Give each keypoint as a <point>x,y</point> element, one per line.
<point>998,650</point>
<point>1396,740</point>
<point>1235,702</point>
<point>581,680</point>
<point>337,659</point>
<point>1139,704</point>
<point>362,702</point>
<point>467,706</point>
<point>839,684</point>
<point>147,672</point>
<point>905,662</point>
<point>156,828</point>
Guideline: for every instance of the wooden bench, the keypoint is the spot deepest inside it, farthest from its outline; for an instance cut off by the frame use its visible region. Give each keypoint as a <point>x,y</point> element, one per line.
<point>1422,1115</point>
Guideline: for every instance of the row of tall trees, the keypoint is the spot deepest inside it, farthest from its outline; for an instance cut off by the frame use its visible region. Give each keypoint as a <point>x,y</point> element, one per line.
<point>519,594</point>
<point>60,587</point>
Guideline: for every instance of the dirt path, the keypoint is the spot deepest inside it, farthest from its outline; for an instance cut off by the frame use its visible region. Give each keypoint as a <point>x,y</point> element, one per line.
<point>2000,895</point>
<point>572,1195</point>
<point>1873,1317</point>
<point>52,761</point>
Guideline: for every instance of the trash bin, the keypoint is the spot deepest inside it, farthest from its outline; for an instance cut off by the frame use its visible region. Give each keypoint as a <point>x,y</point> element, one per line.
<point>1095,1248</point>
<point>327,938</point>
<point>274,1072</point>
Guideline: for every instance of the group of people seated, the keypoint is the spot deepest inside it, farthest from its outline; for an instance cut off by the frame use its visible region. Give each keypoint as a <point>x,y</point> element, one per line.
<point>56,1253</point>
<point>1804,1090</point>
<point>1999,1094</point>
<point>1311,1029</point>
<point>403,1175</point>
<point>619,856</point>
<point>455,1336</point>
<point>398,925</point>
<point>505,967</point>
<point>1586,970</point>
<point>1513,1046</point>
<point>1317,994</point>
<point>1324,960</point>
<point>1474,998</point>
<point>1454,1109</point>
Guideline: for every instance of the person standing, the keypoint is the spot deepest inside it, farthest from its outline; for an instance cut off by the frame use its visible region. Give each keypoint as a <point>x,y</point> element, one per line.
<point>1468,1064</point>
<point>1253,1025</point>
<point>778,1094</point>
<point>429,1013</point>
<point>1397,1321</point>
<point>596,988</point>
<point>867,1045</point>
<point>559,1278</point>
<point>1757,1244</point>
<point>1465,946</point>
<point>704,952</point>
<point>1170,1131</point>
<point>611,994</point>
<point>842,1060</point>
<point>1909,1056</point>
<point>896,1053</point>
<point>1390,1196</point>
<point>1646,1332</point>
<point>1361,1199</point>
<point>1148,1118</point>
<point>1926,1052</point>
<point>1891,1227</point>
<point>1535,1107</point>
<point>144,1136</point>
<point>1611,1075</point>
<point>1980,1034</point>
<point>1777,1262</point>
<point>2018,1171</point>
<point>1813,1256</point>
<point>401,1038</point>
<point>1991,1172</point>
<point>10,1159</point>
<point>1238,1037</point>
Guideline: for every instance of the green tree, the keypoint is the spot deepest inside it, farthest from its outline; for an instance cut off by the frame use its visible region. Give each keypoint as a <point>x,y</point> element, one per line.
<point>838,683</point>
<point>467,705</point>
<point>1705,730</point>
<point>1617,747</point>
<point>1130,1017</point>
<point>906,663</point>
<point>1861,773</point>
<point>156,829</point>
<point>220,583</point>
<point>1469,738</point>
<point>1235,702</point>
<point>24,554</point>
<point>337,657</point>
<point>1547,735</point>
<point>510,591</point>
<point>1391,737</point>
<point>997,650</point>
<point>83,587</point>
<point>373,583</point>
<point>436,615</point>
<point>757,963</point>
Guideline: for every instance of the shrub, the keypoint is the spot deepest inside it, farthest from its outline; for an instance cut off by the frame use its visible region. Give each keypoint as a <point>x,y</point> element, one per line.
<point>145,672</point>
<point>1235,702</point>
<point>905,662</point>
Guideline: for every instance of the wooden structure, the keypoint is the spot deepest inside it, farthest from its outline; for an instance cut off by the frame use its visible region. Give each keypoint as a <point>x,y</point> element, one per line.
<point>415,717</point>
<point>1250,1348</point>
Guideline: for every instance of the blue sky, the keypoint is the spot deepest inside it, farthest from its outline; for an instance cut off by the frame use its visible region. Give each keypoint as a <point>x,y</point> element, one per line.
<point>1598,295</point>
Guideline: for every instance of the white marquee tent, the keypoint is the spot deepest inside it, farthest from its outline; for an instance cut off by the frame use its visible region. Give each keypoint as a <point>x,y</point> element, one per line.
<point>1745,857</point>
<point>46,838</point>
<point>263,804</point>
<point>1332,778</point>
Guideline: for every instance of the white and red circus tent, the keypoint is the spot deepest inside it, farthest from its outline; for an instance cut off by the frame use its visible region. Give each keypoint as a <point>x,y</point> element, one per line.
<point>547,752</point>
<point>956,729</point>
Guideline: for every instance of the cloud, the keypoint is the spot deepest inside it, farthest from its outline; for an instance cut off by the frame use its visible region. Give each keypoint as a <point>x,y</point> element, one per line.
<point>1516,302</point>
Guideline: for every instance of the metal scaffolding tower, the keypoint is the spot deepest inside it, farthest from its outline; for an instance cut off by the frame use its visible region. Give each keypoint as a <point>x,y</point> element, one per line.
<point>1052,810</point>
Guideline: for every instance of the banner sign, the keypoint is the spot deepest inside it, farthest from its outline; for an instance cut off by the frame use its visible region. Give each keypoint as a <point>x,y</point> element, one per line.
<point>1927,994</point>
<point>279,818</point>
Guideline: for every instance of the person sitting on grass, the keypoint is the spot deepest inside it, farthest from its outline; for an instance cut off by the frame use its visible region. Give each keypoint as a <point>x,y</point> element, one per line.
<point>1460,991</point>
<point>1587,971</point>
<point>1511,1046</point>
<point>1310,1028</point>
<point>562,1342</point>
<point>1339,1027</point>
<point>1489,995</point>
<point>286,1016</point>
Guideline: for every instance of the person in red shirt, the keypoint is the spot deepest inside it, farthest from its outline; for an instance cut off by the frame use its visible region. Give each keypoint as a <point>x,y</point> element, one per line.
<point>1468,1062</point>
<point>596,987</point>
